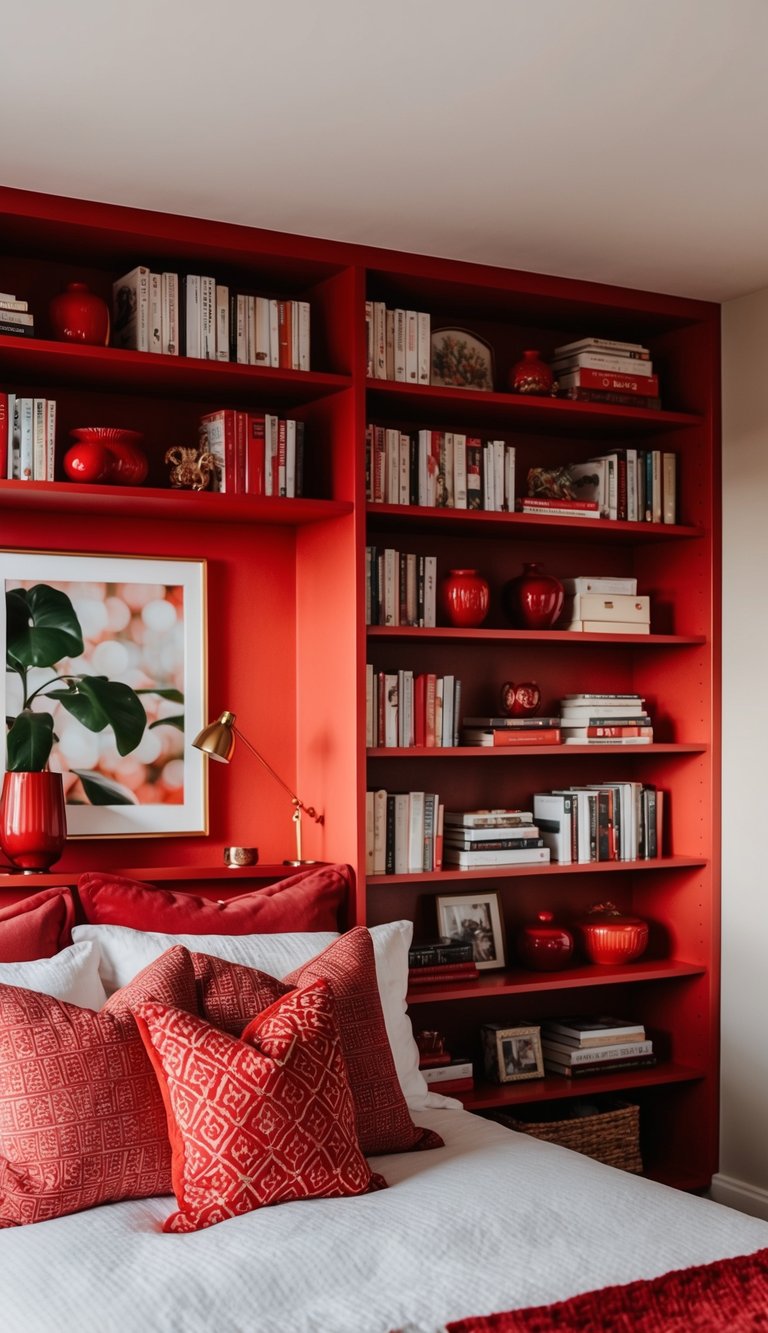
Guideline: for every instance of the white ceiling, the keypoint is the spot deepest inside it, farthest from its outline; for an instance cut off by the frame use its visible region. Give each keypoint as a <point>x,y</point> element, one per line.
<point>618,140</point>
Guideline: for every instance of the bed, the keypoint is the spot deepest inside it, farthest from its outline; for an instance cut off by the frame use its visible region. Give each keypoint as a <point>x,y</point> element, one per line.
<point>491,1221</point>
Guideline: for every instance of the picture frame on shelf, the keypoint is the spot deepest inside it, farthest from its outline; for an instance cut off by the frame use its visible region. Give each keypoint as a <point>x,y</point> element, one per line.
<point>511,1054</point>
<point>474,918</point>
<point>460,360</point>
<point>132,621</point>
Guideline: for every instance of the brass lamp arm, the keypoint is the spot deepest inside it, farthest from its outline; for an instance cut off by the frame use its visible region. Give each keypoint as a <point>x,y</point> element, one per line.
<point>299,804</point>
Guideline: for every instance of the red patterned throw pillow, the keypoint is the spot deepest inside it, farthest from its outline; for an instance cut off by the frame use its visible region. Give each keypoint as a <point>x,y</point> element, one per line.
<point>309,900</point>
<point>83,1120</point>
<point>256,1122</point>
<point>229,995</point>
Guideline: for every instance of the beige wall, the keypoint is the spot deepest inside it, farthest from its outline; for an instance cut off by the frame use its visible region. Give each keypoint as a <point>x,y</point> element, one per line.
<point>743,1178</point>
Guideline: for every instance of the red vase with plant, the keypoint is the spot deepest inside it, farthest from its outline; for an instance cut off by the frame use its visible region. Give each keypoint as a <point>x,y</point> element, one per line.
<point>464,598</point>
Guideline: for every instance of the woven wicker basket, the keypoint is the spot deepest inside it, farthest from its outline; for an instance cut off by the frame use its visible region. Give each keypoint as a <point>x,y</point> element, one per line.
<point>612,1135</point>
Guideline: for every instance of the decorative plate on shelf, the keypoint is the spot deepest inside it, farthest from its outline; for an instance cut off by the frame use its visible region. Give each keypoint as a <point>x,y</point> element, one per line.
<point>461,360</point>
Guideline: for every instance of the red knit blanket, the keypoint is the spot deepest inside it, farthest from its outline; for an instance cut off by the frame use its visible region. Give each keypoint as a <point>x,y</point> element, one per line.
<point>731,1294</point>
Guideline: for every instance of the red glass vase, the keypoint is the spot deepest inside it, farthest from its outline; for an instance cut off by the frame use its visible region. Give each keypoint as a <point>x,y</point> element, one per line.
<point>33,819</point>
<point>543,945</point>
<point>531,375</point>
<point>79,316</point>
<point>534,599</point>
<point>464,598</point>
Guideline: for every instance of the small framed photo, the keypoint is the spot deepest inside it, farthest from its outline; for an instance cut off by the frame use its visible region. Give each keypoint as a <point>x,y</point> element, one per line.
<point>461,360</point>
<point>474,918</point>
<point>512,1054</point>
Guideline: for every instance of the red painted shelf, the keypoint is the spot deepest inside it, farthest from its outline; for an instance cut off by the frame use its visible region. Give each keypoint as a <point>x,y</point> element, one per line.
<point>153,502</point>
<point>446,633</point>
<point>492,1097</point>
<point>476,521</point>
<point>552,868</point>
<point>518,982</point>
<point>506,751</point>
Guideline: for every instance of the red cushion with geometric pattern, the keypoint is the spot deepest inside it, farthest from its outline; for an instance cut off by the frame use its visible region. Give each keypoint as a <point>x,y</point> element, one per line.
<point>229,995</point>
<point>82,1119</point>
<point>37,927</point>
<point>256,1122</point>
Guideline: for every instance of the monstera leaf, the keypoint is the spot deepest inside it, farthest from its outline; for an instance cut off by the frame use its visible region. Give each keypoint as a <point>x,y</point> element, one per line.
<point>29,741</point>
<point>100,791</point>
<point>41,627</point>
<point>98,703</point>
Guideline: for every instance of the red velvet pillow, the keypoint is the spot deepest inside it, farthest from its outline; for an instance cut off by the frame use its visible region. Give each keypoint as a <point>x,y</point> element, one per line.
<point>306,901</point>
<point>230,994</point>
<point>260,1121</point>
<point>37,927</point>
<point>83,1120</point>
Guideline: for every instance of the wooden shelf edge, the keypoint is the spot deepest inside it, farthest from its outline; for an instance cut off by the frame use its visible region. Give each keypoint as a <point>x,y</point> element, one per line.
<point>506,752</point>
<point>518,982</point>
<point>490,1097</point>
<point>180,505</point>
<point>552,868</point>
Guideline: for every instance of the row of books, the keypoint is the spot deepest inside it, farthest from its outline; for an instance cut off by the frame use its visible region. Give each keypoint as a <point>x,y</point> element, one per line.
<point>575,1047</point>
<point>606,370</point>
<point>404,709</point>
<point>400,588</point>
<point>634,485</point>
<point>15,318</point>
<point>27,438</point>
<point>255,453</point>
<point>601,821</point>
<point>438,469</point>
<point>399,344</point>
<point>403,832</point>
<point>197,316</point>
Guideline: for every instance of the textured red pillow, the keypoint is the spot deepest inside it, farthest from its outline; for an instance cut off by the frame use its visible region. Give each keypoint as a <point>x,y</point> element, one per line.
<point>257,1122</point>
<point>83,1120</point>
<point>38,927</point>
<point>309,900</point>
<point>229,994</point>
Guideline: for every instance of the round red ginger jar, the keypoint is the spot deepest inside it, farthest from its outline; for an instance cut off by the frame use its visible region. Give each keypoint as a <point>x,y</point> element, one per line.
<point>543,945</point>
<point>611,936</point>
<point>534,599</point>
<point>464,598</point>
<point>521,700</point>
<point>531,375</point>
<point>80,316</point>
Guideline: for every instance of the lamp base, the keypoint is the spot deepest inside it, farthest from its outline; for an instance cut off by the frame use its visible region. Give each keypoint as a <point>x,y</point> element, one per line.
<point>303,862</point>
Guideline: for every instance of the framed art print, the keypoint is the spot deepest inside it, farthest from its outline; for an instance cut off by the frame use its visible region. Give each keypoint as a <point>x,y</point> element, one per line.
<point>474,918</point>
<point>512,1053</point>
<point>106,657</point>
<point>461,360</point>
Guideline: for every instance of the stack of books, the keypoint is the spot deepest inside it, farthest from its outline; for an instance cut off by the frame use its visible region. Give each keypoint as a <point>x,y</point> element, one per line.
<point>400,588</point>
<point>399,344</point>
<point>440,960</point>
<point>439,469</point>
<point>403,709</point>
<point>476,838</point>
<point>27,438</point>
<point>197,316</point>
<point>256,453</point>
<point>458,1075</point>
<point>576,1047</point>
<point>511,731</point>
<point>403,832</point>
<point>551,507</point>
<point>605,370</point>
<point>605,719</point>
<point>15,319</point>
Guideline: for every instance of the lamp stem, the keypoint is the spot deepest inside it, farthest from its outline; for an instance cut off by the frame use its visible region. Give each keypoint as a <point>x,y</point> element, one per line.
<point>298,805</point>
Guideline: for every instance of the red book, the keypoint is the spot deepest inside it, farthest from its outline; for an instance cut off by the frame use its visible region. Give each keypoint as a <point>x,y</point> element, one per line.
<point>434,1061</point>
<point>620,731</point>
<point>540,736</point>
<point>420,709</point>
<point>254,453</point>
<point>614,399</point>
<point>612,381</point>
<point>284,335</point>
<point>3,435</point>
<point>241,434</point>
<point>429,710</point>
<point>420,976</point>
<point>451,1085</point>
<point>280,490</point>
<point>544,503</point>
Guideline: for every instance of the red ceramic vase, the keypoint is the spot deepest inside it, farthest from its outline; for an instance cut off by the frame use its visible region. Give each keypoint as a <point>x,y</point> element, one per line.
<point>33,819</point>
<point>520,700</point>
<point>87,462</point>
<point>531,375</point>
<point>609,936</point>
<point>464,598</point>
<point>128,464</point>
<point>534,599</point>
<point>544,946</point>
<point>80,316</point>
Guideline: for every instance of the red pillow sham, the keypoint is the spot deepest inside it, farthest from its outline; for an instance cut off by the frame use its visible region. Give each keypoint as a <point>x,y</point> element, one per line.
<point>255,1122</point>
<point>309,900</point>
<point>229,995</point>
<point>37,927</point>
<point>83,1119</point>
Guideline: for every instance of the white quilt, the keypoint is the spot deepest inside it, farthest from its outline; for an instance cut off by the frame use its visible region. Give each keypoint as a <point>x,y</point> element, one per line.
<point>493,1221</point>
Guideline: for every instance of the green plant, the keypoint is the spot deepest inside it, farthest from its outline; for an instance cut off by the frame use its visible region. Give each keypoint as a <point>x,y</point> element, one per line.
<point>42,628</point>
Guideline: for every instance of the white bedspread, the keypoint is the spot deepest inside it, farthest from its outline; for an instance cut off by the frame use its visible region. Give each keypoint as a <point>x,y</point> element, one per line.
<point>493,1221</point>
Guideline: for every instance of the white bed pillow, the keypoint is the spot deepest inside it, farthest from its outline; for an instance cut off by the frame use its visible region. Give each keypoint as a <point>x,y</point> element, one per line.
<point>71,975</point>
<point>125,951</point>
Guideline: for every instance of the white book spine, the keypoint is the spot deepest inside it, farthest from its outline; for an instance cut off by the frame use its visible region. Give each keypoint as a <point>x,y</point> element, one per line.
<point>250,330</point>
<point>430,591</point>
<point>261,353</point>
<point>411,348</point>
<point>208,306</point>
<point>379,340</point>
<point>222,323</point>
<point>304,355</point>
<point>130,304</point>
<point>274,334</point>
<point>379,831</point>
<point>369,833</point>
<point>50,440</point>
<point>369,339</point>
<point>155,313</point>
<point>509,478</point>
<point>423,346</point>
<point>392,465</point>
<point>402,810</point>
<point>14,440</point>
<point>460,471</point>
<point>389,344</point>
<point>27,448</point>
<point>241,334</point>
<point>400,345</point>
<point>170,313</point>
<point>416,832</point>
<point>39,416</point>
<point>290,457</point>
<point>404,470</point>
<point>192,316</point>
<point>294,335</point>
